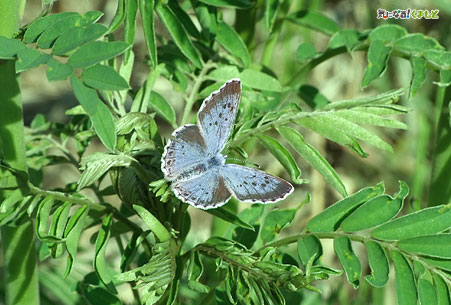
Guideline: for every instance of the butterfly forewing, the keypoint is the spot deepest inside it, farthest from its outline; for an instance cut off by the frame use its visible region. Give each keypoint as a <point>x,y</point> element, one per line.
<point>217,115</point>
<point>185,152</point>
<point>204,191</point>
<point>252,185</point>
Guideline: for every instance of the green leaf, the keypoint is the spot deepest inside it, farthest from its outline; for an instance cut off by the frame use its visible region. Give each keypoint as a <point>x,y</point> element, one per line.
<point>441,59</point>
<point>153,223</point>
<point>438,262</point>
<point>418,74</point>
<point>119,17</point>
<point>406,289</point>
<point>178,33</point>
<point>334,124</point>
<point>95,52</point>
<point>99,295</point>
<point>197,286</point>
<point>417,42</point>
<point>49,36</point>
<point>207,18</point>
<point>104,78</point>
<point>224,214</point>
<point>364,116</point>
<point>96,165</point>
<point>159,104</point>
<point>309,247</point>
<point>78,36</point>
<point>142,98</point>
<point>424,222</point>
<point>385,98</point>
<point>344,38</point>
<point>11,178</point>
<point>42,24</point>
<point>387,33</point>
<point>259,80</point>
<point>131,10</point>
<point>274,222</point>
<point>9,208</point>
<point>232,42</point>
<point>348,260</point>
<point>330,219</point>
<point>305,51</point>
<point>101,117</point>
<point>241,4</point>
<point>59,222</point>
<point>315,21</point>
<point>184,19</point>
<point>223,74</point>
<point>42,219</point>
<point>313,157</point>
<point>57,70</point>
<point>271,8</point>
<point>443,296</point>
<point>430,245</point>
<point>30,58</point>
<point>381,208</point>
<point>378,262</point>
<point>312,96</point>
<point>72,235</point>
<point>10,47</point>
<point>332,134</point>
<point>147,17</point>
<point>283,156</point>
<point>378,55</point>
<point>100,265</point>
<point>426,292</point>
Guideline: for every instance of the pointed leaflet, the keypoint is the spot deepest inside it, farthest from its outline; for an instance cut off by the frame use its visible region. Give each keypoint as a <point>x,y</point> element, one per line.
<point>232,42</point>
<point>95,52</point>
<point>77,37</point>
<point>430,245</point>
<point>381,208</point>
<point>147,17</point>
<point>406,289</point>
<point>378,55</point>
<point>104,78</point>
<point>283,156</point>
<point>418,74</point>
<point>330,219</point>
<point>100,264</point>
<point>426,292</point>
<point>313,157</point>
<point>72,235</point>
<point>315,21</point>
<point>101,117</point>
<point>178,34</point>
<point>424,222</point>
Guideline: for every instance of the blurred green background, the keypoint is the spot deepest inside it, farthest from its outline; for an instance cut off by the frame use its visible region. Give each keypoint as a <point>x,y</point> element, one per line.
<point>338,78</point>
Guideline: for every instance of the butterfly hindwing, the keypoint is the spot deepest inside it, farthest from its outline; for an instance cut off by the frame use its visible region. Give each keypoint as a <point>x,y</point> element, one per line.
<point>204,191</point>
<point>187,150</point>
<point>217,115</point>
<point>252,185</point>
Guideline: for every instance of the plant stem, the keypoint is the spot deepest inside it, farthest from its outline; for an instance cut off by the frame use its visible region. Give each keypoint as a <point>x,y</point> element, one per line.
<point>192,97</point>
<point>19,253</point>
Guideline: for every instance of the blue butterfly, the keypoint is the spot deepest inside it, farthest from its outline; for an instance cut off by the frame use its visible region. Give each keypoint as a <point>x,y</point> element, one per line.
<point>198,171</point>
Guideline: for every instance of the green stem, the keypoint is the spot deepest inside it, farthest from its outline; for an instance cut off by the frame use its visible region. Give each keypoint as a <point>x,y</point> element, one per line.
<point>19,253</point>
<point>192,97</point>
<point>245,135</point>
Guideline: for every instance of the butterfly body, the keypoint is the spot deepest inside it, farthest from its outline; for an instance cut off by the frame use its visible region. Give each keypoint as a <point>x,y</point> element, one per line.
<point>195,165</point>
